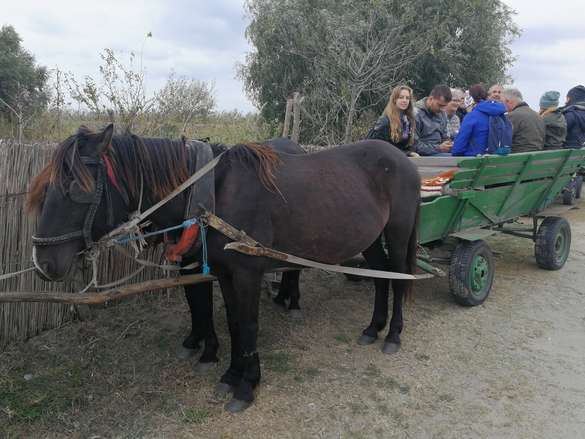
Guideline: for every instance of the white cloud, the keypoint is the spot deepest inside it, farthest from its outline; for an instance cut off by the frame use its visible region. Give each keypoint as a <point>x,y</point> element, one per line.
<point>202,40</point>
<point>550,51</point>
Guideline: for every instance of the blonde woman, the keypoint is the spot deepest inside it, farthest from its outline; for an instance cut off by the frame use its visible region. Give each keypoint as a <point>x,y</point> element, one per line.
<point>396,125</point>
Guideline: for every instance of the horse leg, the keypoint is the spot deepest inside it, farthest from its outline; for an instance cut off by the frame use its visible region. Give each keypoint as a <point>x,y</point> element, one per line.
<point>233,375</point>
<point>247,284</point>
<point>377,260</point>
<point>402,254</point>
<point>289,289</point>
<point>200,300</point>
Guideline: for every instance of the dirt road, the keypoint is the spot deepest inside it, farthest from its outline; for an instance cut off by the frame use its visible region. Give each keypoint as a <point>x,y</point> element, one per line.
<point>513,367</point>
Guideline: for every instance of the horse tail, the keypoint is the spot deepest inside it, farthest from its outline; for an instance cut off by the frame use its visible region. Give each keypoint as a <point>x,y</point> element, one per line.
<point>411,253</point>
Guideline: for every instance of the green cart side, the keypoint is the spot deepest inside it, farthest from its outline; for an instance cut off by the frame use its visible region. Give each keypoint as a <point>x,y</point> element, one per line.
<point>485,196</point>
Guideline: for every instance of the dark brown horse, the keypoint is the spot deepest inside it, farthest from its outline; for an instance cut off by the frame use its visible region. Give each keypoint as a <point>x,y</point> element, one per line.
<point>327,206</point>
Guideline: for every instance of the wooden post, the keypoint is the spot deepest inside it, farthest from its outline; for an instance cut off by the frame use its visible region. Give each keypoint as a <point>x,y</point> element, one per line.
<point>289,105</point>
<point>297,99</point>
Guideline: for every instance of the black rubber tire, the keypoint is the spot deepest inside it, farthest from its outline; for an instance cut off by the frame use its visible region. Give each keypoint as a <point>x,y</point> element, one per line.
<point>578,186</point>
<point>570,193</point>
<point>471,272</point>
<point>553,243</point>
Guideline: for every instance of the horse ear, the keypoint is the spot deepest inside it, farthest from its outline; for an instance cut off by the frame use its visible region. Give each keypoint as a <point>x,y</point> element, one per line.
<point>104,139</point>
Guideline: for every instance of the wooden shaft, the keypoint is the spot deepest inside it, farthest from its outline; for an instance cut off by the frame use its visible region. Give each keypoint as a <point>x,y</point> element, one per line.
<point>105,296</point>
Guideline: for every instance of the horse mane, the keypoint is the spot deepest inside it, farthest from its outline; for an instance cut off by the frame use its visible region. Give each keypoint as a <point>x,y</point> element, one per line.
<point>262,158</point>
<point>55,172</point>
<point>163,164</point>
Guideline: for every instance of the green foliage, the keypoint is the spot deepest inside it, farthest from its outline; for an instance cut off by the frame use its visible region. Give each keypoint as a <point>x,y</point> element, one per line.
<point>195,416</point>
<point>344,56</point>
<point>22,83</point>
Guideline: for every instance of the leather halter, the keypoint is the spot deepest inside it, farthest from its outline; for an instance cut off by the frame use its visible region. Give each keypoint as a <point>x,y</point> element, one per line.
<point>85,233</point>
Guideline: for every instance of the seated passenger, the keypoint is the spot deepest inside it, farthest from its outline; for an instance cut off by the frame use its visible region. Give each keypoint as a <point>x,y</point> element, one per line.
<point>458,96</point>
<point>430,136</point>
<point>574,112</point>
<point>475,129</point>
<point>396,124</point>
<point>555,125</point>
<point>528,126</point>
<point>495,93</point>
<point>451,110</point>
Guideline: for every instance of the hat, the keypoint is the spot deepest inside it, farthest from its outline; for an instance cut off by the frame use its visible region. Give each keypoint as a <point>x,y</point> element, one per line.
<point>550,99</point>
<point>577,94</point>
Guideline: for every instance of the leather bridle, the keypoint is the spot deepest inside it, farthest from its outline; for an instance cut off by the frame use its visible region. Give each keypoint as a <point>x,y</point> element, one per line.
<point>86,234</point>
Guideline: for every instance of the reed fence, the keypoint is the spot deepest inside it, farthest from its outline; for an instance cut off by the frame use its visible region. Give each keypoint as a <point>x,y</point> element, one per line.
<point>19,163</point>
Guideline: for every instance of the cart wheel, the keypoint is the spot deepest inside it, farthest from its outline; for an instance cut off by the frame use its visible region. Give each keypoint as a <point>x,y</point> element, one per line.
<point>570,193</point>
<point>553,243</point>
<point>578,186</point>
<point>471,272</point>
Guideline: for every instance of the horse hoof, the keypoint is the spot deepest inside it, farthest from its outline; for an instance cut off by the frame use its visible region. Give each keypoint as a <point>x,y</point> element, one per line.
<point>204,367</point>
<point>296,315</point>
<point>237,405</point>
<point>185,353</point>
<point>366,340</point>
<point>390,348</point>
<point>223,390</point>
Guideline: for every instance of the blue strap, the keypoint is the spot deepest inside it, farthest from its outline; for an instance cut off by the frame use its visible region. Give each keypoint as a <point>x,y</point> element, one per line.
<point>184,225</point>
<point>205,268</point>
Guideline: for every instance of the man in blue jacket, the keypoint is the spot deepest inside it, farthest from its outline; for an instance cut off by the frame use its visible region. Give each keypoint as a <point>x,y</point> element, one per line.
<point>472,139</point>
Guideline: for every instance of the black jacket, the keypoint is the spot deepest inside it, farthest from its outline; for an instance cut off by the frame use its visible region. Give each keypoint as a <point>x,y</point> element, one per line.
<point>575,116</point>
<point>381,131</point>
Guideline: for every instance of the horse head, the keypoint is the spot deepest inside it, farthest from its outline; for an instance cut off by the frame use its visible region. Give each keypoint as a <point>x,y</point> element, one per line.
<point>76,202</point>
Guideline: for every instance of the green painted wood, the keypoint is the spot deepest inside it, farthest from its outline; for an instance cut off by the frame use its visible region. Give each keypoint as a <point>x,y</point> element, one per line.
<point>492,190</point>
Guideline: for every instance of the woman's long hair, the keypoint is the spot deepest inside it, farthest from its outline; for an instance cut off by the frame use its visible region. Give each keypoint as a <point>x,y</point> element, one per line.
<point>393,114</point>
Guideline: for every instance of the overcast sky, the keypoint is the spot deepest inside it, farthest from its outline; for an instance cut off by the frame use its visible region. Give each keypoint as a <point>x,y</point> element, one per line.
<point>204,39</point>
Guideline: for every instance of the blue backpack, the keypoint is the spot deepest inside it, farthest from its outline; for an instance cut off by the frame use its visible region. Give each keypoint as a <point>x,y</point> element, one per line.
<point>499,135</point>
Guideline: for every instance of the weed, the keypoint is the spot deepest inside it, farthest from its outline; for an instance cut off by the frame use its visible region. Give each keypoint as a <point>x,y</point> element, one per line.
<point>194,416</point>
<point>277,362</point>
<point>342,338</point>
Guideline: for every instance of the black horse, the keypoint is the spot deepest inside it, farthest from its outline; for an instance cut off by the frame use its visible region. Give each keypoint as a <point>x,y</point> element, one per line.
<point>327,206</point>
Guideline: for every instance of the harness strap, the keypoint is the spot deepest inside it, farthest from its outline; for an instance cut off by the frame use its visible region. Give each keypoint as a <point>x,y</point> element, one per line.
<point>131,225</point>
<point>247,245</point>
<point>16,273</point>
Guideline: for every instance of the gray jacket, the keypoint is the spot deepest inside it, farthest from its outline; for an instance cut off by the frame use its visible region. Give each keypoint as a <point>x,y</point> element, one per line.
<point>528,134</point>
<point>431,129</point>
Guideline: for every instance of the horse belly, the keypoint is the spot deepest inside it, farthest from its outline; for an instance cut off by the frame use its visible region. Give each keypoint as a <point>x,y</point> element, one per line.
<point>329,226</point>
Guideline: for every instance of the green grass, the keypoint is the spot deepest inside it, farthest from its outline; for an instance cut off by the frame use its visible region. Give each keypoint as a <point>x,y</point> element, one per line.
<point>277,362</point>
<point>342,338</point>
<point>47,395</point>
<point>195,416</point>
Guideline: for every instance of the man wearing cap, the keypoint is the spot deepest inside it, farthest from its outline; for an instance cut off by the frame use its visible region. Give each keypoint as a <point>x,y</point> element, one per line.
<point>574,112</point>
<point>555,125</point>
<point>528,133</point>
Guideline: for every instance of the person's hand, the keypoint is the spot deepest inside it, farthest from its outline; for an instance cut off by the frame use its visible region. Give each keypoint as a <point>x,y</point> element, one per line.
<point>446,146</point>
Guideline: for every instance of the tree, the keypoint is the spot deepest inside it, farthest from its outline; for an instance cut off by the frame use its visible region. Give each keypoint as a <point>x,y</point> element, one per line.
<point>118,96</point>
<point>22,83</point>
<point>181,100</point>
<point>344,56</point>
